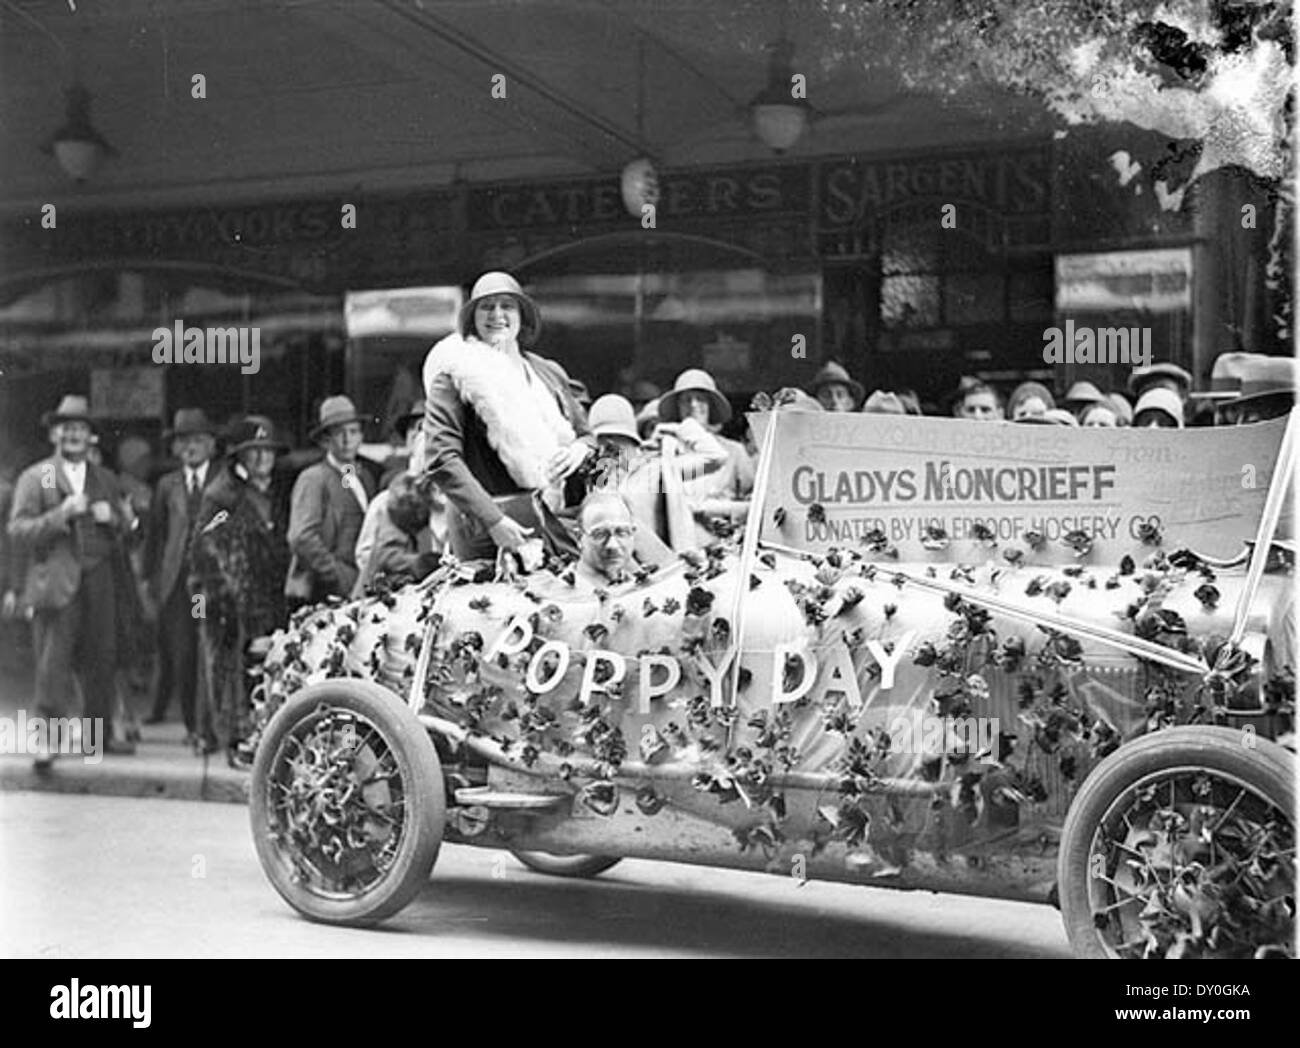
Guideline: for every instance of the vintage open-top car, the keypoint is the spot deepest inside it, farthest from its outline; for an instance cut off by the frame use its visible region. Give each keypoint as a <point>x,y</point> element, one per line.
<point>1060,714</point>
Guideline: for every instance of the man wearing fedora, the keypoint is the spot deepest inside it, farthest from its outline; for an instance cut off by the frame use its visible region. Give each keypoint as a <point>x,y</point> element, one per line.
<point>172,515</point>
<point>835,389</point>
<point>1251,387</point>
<point>69,522</point>
<point>327,509</point>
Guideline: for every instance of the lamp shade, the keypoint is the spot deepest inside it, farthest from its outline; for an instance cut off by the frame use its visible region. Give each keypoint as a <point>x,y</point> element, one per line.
<point>77,146</point>
<point>640,185</point>
<point>78,157</point>
<point>779,116</point>
<point>779,126</point>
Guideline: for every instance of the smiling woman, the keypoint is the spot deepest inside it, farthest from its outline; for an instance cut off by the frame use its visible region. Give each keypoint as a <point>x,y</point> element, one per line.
<point>503,428</point>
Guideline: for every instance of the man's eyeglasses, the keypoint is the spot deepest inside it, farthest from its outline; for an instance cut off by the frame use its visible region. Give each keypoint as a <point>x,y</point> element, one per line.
<point>618,531</point>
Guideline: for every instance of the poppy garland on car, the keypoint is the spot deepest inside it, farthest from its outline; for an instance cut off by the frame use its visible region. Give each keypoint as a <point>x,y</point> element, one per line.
<point>548,680</point>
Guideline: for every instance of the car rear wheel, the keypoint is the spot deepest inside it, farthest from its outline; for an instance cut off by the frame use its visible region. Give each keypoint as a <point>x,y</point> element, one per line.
<point>565,865</point>
<point>347,803</point>
<point>1182,845</point>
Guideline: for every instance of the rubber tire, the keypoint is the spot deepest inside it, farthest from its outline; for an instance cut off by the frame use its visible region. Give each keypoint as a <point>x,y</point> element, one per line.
<point>1268,767</point>
<point>566,865</point>
<point>421,775</point>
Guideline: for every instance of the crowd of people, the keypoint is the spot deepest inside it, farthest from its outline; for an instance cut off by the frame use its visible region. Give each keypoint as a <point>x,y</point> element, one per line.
<point>505,458</point>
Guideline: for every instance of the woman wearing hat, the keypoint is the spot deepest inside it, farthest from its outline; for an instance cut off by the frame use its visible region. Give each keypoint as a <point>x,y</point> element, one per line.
<point>724,492</point>
<point>239,558</point>
<point>1160,407</point>
<point>502,428</point>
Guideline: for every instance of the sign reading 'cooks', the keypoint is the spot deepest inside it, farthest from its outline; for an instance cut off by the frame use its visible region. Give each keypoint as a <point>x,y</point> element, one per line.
<point>949,490</point>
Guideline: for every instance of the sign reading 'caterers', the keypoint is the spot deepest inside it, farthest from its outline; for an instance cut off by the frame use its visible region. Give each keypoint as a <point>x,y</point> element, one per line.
<point>709,194</point>
<point>952,490</point>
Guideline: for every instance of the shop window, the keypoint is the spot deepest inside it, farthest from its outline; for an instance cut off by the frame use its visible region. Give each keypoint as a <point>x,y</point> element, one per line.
<point>910,301</point>
<point>1147,293</point>
<point>91,331</point>
<point>910,249</point>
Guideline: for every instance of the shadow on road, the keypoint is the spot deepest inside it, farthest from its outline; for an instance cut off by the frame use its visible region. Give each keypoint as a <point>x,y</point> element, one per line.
<point>616,910</point>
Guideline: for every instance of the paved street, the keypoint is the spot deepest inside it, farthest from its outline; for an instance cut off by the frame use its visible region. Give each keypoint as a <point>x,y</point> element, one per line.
<point>89,876</point>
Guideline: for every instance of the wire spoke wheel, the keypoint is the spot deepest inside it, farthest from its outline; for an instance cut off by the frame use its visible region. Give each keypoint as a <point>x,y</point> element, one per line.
<point>337,808</point>
<point>1193,862</point>
<point>1183,847</point>
<point>347,803</point>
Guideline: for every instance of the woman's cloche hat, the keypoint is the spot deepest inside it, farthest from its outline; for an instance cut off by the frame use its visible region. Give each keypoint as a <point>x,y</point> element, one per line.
<point>497,283</point>
<point>694,380</point>
<point>612,416</point>
<point>253,431</point>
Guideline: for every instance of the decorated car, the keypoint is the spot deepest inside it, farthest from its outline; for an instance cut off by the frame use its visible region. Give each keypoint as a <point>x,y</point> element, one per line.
<point>1035,663</point>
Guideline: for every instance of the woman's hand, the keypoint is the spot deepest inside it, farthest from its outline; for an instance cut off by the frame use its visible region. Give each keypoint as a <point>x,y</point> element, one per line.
<point>508,534</point>
<point>563,463</point>
<point>688,433</point>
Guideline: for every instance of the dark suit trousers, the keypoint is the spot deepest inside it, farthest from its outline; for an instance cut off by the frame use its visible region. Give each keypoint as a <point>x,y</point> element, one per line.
<point>178,661</point>
<point>82,636</point>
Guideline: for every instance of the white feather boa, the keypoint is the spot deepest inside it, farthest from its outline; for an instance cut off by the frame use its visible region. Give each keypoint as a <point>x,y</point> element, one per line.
<point>525,426</point>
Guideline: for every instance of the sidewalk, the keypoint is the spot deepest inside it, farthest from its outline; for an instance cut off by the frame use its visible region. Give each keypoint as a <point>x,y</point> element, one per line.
<point>162,766</point>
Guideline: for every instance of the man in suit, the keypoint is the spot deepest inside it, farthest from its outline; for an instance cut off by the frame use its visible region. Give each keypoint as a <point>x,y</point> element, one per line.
<point>172,513</point>
<point>68,521</point>
<point>327,508</point>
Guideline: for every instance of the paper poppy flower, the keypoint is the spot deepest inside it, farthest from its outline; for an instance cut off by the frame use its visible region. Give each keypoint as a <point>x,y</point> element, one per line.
<point>1079,541</point>
<point>698,601</point>
<point>600,797</point>
<point>648,801</point>
<point>934,538</point>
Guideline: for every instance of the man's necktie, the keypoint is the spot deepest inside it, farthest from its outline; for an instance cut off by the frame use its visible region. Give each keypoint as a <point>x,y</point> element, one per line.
<point>192,495</point>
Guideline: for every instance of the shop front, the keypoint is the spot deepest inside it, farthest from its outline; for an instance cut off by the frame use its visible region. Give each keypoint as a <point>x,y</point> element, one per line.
<point>911,270</point>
